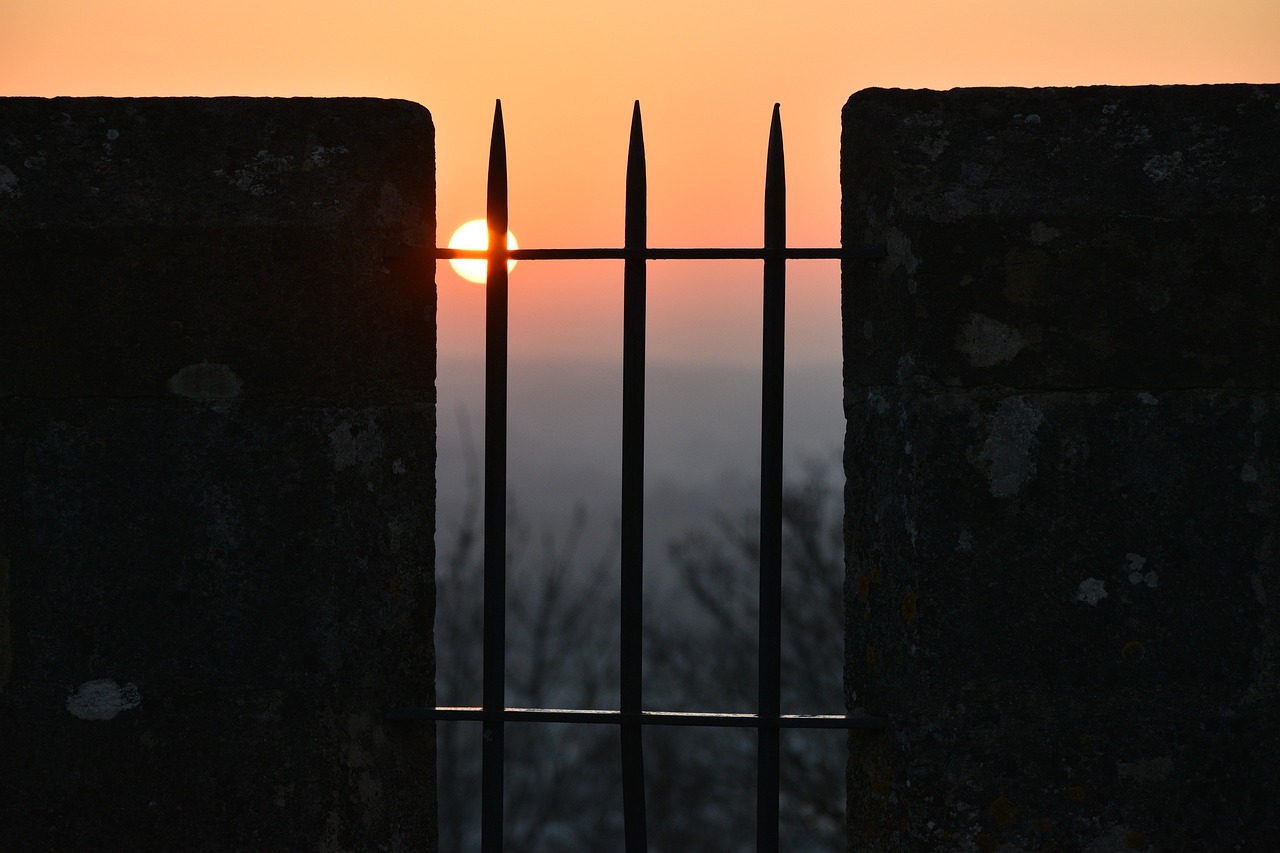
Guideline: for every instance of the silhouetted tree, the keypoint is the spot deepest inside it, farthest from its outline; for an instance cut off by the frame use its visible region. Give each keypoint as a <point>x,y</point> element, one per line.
<point>563,785</point>
<point>560,653</point>
<point>708,661</point>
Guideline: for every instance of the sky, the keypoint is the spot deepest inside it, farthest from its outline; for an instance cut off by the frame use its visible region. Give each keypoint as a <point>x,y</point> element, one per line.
<point>707,75</point>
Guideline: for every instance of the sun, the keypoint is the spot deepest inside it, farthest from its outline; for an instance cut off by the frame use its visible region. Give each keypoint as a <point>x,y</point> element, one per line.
<point>475,235</point>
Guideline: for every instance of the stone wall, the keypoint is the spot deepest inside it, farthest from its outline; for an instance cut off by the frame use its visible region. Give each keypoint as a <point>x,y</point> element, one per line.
<point>1063,398</point>
<point>217,436</point>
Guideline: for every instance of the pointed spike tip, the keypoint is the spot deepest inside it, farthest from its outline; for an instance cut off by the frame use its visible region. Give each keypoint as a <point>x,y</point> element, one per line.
<point>635,223</point>
<point>635,149</point>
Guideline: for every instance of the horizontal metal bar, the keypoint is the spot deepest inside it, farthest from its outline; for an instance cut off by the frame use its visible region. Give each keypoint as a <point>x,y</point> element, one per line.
<point>853,252</point>
<point>643,718</point>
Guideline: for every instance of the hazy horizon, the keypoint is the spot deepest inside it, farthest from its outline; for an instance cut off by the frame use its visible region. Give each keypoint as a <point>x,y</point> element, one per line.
<point>702,435</point>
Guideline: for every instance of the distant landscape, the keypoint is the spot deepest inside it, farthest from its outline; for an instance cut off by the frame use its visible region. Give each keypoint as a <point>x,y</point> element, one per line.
<point>702,486</point>
<point>565,441</point>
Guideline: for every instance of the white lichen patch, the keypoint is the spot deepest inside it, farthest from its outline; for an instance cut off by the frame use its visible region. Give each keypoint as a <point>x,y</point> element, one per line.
<point>205,381</point>
<point>356,445</point>
<point>906,367</point>
<point>987,342</point>
<point>1161,167</point>
<point>1158,299</point>
<point>1091,591</point>
<point>103,699</point>
<point>393,210</point>
<point>1134,565</point>
<point>1137,135</point>
<point>901,254</point>
<point>909,523</point>
<point>934,144</point>
<point>964,544</point>
<point>877,402</point>
<point>1248,473</point>
<point>958,202</point>
<point>1007,450</point>
<point>395,533</point>
<point>1042,233</point>
<point>8,183</point>
<point>254,176</point>
<point>1146,398</point>
<point>322,156</point>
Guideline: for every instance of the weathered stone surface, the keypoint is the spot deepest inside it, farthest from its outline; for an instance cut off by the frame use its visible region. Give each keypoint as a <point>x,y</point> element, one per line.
<point>1124,238</point>
<point>144,235</point>
<point>1063,402</point>
<point>217,487</point>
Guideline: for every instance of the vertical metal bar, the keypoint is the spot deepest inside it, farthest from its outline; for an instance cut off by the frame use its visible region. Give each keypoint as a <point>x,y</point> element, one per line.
<point>633,353</point>
<point>775,237</point>
<point>495,492</point>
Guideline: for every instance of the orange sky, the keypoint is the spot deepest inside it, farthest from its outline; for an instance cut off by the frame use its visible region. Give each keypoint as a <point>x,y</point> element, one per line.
<point>707,75</point>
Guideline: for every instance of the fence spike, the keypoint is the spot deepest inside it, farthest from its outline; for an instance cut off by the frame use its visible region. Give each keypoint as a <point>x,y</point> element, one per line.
<point>637,185</point>
<point>775,187</point>
<point>496,207</point>
<point>631,621</point>
<point>771,400</point>
<point>495,491</point>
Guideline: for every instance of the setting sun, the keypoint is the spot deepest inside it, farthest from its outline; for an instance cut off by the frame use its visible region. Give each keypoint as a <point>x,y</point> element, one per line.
<point>475,235</point>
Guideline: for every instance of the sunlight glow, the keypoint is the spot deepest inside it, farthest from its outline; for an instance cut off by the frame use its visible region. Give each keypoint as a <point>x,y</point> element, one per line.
<point>475,235</point>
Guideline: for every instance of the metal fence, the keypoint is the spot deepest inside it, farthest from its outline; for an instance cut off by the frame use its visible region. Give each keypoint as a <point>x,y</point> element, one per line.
<point>632,717</point>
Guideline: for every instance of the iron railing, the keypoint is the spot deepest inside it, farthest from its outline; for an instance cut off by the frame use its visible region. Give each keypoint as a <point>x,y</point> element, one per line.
<point>631,715</point>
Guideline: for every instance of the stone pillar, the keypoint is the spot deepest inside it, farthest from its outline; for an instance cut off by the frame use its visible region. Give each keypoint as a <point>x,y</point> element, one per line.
<point>217,489</point>
<point>1063,399</point>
